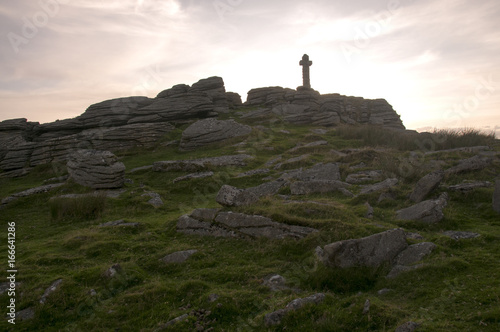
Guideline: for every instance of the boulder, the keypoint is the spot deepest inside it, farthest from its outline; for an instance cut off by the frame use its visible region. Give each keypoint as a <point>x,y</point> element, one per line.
<point>426,185</point>
<point>52,288</point>
<point>371,251</point>
<point>192,226</point>
<point>209,131</point>
<point>266,96</point>
<point>214,88</point>
<point>155,199</point>
<point>96,169</point>
<point>496,197</point>
<point>430,211</point>
<point>414,253</point>
<point>174,91</point>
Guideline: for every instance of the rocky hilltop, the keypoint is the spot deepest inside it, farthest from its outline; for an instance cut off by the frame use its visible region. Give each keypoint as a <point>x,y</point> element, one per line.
<point>123,123</point>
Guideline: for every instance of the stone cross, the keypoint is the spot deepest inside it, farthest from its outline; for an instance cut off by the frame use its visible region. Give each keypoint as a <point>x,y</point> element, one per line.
<point>305,63</point>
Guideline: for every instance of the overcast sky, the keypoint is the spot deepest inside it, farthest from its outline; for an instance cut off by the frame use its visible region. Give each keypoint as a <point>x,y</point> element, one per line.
<point>436,61</point>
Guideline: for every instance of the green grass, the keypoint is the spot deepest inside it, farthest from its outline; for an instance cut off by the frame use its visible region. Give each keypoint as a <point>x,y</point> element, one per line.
<point>457,290</point>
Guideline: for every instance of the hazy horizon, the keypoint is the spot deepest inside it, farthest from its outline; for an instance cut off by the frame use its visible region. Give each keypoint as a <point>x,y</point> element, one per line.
<point>437,64</point>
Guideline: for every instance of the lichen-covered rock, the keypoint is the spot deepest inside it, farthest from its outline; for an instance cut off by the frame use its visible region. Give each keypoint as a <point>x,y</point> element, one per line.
<point>209,131</point>
<point>96,169</point>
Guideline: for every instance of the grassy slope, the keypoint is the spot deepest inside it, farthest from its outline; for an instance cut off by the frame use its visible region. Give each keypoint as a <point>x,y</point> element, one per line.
<point>457,290</point>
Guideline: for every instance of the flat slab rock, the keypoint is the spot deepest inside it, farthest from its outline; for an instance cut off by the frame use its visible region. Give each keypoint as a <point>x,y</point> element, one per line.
<point>426,185</point>
<point>211,222</point>
<point>193,165</point>
<point>179,256</point>
<point>274,318</point>
<point>32,191</point>
<point>456,235</point>
<point>384,185</point>
<point>319,187</point>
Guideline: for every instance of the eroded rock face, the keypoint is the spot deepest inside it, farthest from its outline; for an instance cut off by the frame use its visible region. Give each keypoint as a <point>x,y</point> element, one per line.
<point>96,169</point>
<point>371,251</point>
<point>211,222</point>
<point>209,131</point>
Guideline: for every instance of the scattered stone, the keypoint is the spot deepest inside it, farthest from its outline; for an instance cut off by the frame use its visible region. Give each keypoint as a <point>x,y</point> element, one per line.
<point>4,286</point>
<point>496,197</point>
<point>93,292</point>
<point>112,271</point>
<point>472,149</point>
<point>326,172</point>
<point>32,191</point>
<point>292,161</point>
<point>407,327</point>
<point>232,196</point>
<point>387,196</point>
<point>26,314</point>
<point>172,322</point>
<point>58,179</point>
<point>455,235</point>
<point>308,145</point>
<point>120,223</point>
<point>275,283</point>
<point>430,211</point>
<point>194,165</point>
<point>192,226</point>
<point>155,200</point>
<point>369,211</point>
<point>178,257</point>
<point>273,161</point>
<point>363,177</point>
<point>140,169</point>
<point>254,172</point>
<point>414,236</point>
<point>384,291</point>
<point>384,185</point>
<point>209,131</point>
<point>50,290</point>
<point>426,185</point>
<point>317,187</point>
<point>96,169</point>
<point>468,165</point>
<point>213,297</point>
<point>319,131</point>
<point>200,175</point>
<point>274,318</point>
<point>371,251</point>
<point>470,186</point>
<point>366,307</point>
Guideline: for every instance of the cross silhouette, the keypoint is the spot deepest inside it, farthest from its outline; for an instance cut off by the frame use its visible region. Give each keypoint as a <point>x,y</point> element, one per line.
<point>305,63</point>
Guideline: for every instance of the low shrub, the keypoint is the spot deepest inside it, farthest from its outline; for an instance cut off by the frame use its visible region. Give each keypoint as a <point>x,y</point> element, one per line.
<point>85,207</point>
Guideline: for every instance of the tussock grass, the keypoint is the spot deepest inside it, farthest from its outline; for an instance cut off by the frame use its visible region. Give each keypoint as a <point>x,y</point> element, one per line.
<point>87,207</point>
